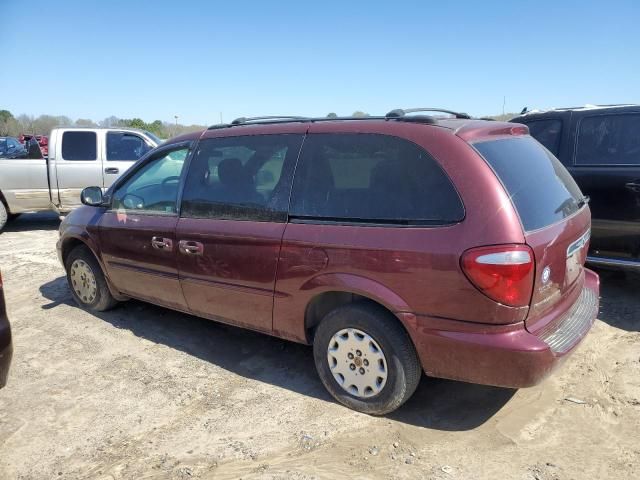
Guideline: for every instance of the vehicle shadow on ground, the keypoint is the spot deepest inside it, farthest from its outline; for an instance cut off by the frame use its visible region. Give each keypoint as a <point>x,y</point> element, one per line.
<point>33,221</point>
<point>619,299</point>
<point>437,404</point>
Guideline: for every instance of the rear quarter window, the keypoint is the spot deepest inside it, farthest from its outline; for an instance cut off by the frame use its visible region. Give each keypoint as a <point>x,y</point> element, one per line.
<point>547,132</point>
<point>541,189</point>
<point>372,178</point>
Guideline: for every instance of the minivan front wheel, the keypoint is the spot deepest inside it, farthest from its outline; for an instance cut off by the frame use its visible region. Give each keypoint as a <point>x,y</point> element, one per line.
<point>86,281</point>
<point>365,358</point>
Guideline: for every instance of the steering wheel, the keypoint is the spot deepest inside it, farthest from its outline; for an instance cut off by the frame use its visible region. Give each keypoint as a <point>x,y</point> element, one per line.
<point>166,181</point>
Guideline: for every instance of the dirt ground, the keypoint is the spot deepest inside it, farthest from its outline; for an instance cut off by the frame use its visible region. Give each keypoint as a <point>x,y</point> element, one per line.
<point>144,392</point>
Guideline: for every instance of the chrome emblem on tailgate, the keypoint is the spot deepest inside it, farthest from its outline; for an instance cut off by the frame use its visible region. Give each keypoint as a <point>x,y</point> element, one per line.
<point>578,244</point>
<point>546,273</point>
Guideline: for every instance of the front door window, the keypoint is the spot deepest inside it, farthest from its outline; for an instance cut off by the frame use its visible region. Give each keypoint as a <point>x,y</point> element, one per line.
<point>153,188</point>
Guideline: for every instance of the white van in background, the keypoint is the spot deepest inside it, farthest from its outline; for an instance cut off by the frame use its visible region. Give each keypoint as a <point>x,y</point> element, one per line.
<point>78,157</point>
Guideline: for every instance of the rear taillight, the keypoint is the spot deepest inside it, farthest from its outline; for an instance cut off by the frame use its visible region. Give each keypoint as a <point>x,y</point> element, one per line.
<point>503,273</point>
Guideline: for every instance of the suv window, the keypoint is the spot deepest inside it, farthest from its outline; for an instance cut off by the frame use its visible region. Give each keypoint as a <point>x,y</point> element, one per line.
<point>241,178</point>
<point>79,146</point>
<point>372,178</point>
<point>540,188</point>
<point>125,146</point>
<point>154,187</point>
<point>547,132</point>
<point>609,140</point>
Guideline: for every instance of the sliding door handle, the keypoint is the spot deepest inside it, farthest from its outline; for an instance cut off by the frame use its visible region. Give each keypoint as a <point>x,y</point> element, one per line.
<point>189,247</point>
<point>112,170</point>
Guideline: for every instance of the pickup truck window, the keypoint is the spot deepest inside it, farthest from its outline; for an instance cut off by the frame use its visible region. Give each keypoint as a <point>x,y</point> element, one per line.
<point>125,146</point>
<point>609,140</point>
<point>79,146</point>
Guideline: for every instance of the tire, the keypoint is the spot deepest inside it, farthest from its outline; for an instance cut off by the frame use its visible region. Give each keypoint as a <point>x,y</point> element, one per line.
<point>86,281</point>
<point>341,330</point>
<point>4,215</point>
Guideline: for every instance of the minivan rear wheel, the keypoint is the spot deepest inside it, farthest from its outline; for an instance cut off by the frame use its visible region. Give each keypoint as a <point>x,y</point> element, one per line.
<point>366,359</point>
<point>86,281</point>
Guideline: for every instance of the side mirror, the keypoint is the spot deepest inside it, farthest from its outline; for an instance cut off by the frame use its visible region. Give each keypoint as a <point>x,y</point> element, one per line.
<point>92,196</point>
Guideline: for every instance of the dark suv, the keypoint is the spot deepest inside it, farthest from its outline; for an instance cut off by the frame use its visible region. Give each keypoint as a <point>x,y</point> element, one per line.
<point>392,244</point>
<point>600,146</point>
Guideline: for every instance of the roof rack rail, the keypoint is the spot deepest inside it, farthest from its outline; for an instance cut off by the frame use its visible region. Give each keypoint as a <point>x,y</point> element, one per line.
<point>399,112</point>
<point>241,120</point>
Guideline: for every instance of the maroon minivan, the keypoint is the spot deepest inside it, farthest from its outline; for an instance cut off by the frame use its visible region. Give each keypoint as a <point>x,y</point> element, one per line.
<point>394,245</point>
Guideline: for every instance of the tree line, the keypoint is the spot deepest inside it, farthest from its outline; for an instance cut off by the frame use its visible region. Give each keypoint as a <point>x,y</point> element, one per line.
<point>13,126</point>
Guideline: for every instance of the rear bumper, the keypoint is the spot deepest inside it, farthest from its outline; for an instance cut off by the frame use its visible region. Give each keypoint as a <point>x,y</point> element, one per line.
<point>502,355</point>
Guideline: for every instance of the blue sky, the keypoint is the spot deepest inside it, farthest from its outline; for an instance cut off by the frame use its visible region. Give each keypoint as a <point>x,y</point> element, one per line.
<point>195,59</point>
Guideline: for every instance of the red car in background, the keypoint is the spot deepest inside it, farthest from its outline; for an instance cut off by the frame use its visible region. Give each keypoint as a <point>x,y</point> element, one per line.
<point>43,142</point>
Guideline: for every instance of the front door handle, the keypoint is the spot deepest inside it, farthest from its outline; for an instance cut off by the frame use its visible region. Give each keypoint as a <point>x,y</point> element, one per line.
<point>633,186</point>
<point>189,247</point>
<point>162,243</point>
<point>112,170</point>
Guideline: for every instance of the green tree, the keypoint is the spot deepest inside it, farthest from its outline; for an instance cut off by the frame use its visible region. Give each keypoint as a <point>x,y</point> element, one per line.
<point>8,125</point>
<point>5,115</point>
<point>358,113</point>
<point>332,115</point>
<point>85,122</point>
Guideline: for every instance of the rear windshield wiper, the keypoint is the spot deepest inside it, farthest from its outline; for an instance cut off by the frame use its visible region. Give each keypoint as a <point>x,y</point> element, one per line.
<point>583,201</point>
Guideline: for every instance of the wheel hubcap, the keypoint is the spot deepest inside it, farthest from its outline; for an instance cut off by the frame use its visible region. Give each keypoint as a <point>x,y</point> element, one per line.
<point>83,281</point>
<point>357,362</point>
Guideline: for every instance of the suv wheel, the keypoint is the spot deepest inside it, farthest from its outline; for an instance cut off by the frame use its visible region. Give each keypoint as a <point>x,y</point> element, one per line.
<point>366,359</point>
<point>86,281</point>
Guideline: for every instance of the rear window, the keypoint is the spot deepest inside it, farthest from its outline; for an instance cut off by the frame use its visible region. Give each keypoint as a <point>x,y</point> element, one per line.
<point>540,188</point>
<point>79,146</point>
<point>374,179</point>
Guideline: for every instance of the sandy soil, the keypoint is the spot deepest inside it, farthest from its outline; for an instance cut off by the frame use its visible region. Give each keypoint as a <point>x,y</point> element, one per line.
<point>144,392</point>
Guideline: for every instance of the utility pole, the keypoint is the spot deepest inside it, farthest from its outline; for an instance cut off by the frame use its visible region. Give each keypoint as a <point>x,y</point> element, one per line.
<point>175,132</point>
<point>504,101</point>
<point>221,118</point>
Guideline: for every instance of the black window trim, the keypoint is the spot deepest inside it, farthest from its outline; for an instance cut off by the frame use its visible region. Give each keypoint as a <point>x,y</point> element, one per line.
<point>574,159</point>
<point>369,222</point>
<point>149,157</point>
<point>366,222</point>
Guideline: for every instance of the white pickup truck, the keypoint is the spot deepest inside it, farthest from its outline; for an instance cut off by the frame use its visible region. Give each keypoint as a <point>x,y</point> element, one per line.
<point>78,158</point>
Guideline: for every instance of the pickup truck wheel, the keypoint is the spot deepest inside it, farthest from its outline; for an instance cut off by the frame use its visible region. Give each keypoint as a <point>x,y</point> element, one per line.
<point>365,359</point>
<point>4,215</point>
<point>86,281</point>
